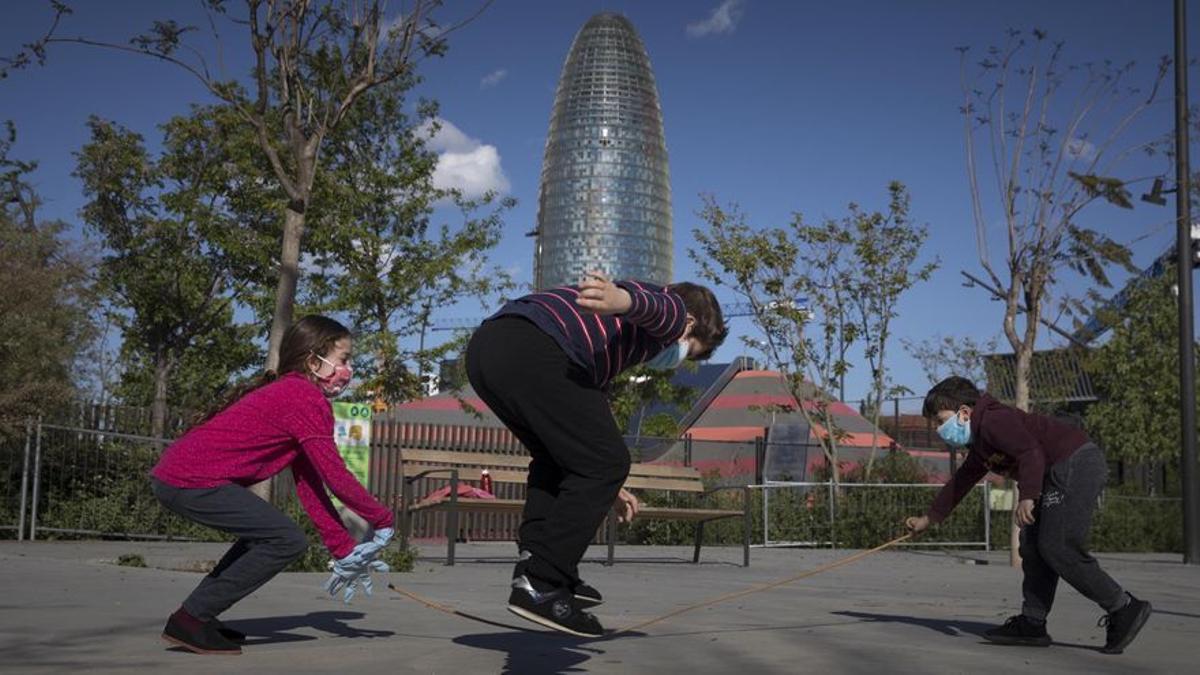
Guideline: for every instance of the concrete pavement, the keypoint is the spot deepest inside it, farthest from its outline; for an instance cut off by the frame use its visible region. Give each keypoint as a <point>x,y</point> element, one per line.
<point>65,606</point>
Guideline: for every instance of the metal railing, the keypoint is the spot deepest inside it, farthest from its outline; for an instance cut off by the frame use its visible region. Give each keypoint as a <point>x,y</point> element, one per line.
<point>853,515</point>
<point>58,479</point>
<point>85,482</point>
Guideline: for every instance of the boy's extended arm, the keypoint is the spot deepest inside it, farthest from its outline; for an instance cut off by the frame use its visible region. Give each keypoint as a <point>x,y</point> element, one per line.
<point>972,469</point>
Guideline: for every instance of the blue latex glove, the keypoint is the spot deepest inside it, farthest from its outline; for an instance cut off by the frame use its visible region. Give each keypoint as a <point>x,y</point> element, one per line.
<point>347,569</point>
<point>361,554</point>
<point>383,537</point>
<point>365,580</point>
<point>347,577</point>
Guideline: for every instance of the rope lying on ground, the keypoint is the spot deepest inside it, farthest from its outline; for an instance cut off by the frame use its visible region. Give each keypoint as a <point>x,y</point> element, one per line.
<point>455,612</point>
<point>682,610</point>
<point>764,587</point>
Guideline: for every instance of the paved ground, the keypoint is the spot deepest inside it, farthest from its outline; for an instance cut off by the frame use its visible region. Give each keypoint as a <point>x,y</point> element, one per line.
<point>64,606</point>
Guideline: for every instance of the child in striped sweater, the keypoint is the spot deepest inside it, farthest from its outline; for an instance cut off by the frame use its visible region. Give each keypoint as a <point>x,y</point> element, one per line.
<point>542,365</point>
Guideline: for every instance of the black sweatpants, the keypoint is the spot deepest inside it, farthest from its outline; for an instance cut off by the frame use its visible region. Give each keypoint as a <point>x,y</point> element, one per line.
<point>1055,545</point>
<point>268,541</point>
<point>579,460</point>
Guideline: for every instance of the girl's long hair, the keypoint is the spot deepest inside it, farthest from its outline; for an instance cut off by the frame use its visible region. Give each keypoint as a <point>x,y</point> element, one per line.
<point>314,334</point>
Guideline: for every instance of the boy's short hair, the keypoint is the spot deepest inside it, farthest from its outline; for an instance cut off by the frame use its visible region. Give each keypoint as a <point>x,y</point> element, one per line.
<point>950,394</point>
<point>710,327</point>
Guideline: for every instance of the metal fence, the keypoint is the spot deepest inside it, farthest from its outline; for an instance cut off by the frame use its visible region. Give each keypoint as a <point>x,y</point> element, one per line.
<point>95,483</point>
<point>854,515</point>
<point>72,481</point>
<point>15,456</point>
<point>64,480</point>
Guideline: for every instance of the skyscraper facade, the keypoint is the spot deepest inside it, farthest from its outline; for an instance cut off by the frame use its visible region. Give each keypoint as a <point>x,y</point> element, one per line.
<point>605,198</point>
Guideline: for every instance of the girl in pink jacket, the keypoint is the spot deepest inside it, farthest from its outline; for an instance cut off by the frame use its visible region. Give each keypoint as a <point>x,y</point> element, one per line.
<point>282,419</point>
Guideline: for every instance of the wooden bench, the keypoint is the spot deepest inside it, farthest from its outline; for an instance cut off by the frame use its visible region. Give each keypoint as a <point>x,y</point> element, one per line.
<point>458,467</point>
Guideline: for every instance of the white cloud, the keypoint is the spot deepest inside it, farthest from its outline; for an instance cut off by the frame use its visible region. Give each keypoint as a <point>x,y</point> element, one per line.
<point>493,78</point>
<point>1079,148</point>
<point>723,19</point>
<point>464,163</point>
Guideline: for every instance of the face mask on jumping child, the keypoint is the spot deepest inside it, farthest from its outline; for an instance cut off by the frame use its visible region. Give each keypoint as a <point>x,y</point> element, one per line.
<point>676,353</point>
<point>671,357</point>
<point>335,382</point>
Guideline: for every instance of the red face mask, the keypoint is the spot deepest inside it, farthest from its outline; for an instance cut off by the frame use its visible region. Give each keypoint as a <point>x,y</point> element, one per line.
<point>335,383</point>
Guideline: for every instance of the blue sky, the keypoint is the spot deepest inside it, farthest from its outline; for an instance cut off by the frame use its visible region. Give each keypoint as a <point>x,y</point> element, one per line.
<point>778,106</point>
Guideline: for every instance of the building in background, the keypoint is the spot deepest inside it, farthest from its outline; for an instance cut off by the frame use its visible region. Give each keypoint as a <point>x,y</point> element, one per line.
<point>605,197</point>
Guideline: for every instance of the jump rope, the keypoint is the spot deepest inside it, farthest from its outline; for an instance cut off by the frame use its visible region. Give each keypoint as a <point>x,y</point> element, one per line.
<point>682,610</point>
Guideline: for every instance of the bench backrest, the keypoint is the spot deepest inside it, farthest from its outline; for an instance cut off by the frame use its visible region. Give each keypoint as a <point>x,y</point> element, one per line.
<point>506,468</point>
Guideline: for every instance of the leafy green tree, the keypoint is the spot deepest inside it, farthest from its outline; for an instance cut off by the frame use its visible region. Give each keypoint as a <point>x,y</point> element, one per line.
<point>770,269</point>
<point>885,266</point>
<point>45,309</point>
<point>158,221</point>
<point>388,261</point>
<point>1136,376</point>
<point>634,390</point>
<point>203,369</point>
<point>313,62</point>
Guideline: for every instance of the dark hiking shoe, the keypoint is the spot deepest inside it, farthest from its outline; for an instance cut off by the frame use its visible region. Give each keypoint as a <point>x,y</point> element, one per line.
<point>586,595</point>
<point>229,633</point>
<point>554,609</point>
<point>197,636</point>
<point>1019,630</point>
<point>1124,624</point>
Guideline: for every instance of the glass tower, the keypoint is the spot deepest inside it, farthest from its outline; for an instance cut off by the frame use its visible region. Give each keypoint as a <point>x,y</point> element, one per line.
<point>605,198</point>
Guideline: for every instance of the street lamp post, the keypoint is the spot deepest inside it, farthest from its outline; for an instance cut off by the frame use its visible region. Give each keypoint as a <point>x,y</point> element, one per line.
<point>1183,246</point>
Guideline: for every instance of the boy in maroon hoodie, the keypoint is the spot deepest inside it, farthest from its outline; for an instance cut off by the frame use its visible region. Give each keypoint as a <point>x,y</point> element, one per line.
<point>1060,474</point>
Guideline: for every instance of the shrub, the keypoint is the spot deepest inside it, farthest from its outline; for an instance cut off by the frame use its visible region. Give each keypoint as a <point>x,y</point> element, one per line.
<point>131,560</point>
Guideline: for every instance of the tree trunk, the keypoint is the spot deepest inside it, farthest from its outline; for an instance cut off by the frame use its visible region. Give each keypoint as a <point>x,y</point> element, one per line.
<point>285,300</point>
<point>289,273</point>
<point>875,429</point>
<point>1024,361</point>
<point>158,409</point>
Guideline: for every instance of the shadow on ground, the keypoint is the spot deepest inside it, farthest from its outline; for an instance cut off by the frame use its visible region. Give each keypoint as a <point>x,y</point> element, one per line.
<point>951,627</point>
<point>276,629</point>
<point>535,651</point>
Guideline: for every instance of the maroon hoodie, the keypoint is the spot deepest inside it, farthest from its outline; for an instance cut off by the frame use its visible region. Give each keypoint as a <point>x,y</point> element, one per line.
<point>1011,443</point>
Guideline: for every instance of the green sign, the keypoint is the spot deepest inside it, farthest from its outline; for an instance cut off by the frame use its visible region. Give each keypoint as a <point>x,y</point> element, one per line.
<point>352,433</point>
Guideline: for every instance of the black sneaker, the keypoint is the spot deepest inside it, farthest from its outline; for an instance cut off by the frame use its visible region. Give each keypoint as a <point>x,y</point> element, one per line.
<point>1019,630</point>
<point>1124,624</point>
<point>229,633</point>
<point>586,595</point>
<point>553,609</point>
<point>197,636</point>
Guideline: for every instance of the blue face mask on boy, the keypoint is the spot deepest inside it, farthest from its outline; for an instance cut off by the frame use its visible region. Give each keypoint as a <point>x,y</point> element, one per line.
<point>955,431</point>
<point>669,358</point>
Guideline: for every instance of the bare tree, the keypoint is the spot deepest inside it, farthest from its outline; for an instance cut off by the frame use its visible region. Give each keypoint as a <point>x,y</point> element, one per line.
<point>943,355</point>
<point>1051,135</point>
<point>35,51</point>
<point>771,269</point>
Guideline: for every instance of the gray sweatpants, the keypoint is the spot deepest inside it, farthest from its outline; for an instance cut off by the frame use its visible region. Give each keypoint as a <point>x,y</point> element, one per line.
<point>1055,545</point>
<point>268,541</point>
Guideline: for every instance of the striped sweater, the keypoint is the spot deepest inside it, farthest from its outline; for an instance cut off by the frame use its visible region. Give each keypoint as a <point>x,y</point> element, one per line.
<point>605,345</point>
